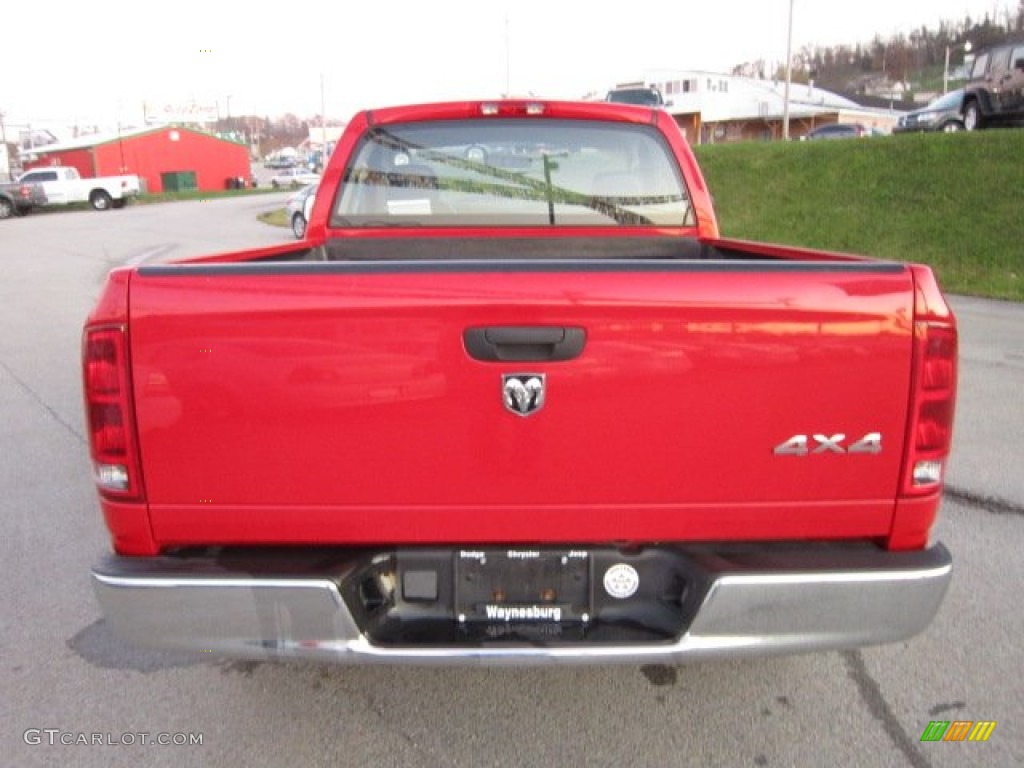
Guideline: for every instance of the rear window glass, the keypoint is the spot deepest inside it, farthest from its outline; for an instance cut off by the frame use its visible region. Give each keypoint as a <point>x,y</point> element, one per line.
<point>510,173</point>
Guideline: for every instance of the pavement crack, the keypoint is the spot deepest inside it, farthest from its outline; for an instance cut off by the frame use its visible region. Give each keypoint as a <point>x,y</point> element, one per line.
<point>24,386</point>
<point>993,504</point>
<point>871,694</point>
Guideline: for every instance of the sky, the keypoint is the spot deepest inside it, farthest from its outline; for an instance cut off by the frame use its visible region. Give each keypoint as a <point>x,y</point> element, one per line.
<point>98,63</point>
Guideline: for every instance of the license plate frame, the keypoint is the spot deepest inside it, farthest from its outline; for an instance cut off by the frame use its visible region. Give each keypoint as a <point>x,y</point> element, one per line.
<point>528,587</point>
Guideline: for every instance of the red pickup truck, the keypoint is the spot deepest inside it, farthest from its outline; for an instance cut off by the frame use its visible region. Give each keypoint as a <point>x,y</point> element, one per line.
<point>514,400</point>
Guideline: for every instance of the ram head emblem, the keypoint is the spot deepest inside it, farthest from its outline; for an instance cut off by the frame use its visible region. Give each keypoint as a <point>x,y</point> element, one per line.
<point>523,392</point>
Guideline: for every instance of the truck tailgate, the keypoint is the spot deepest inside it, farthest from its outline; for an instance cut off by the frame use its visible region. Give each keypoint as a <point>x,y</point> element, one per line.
<point>338,402</point>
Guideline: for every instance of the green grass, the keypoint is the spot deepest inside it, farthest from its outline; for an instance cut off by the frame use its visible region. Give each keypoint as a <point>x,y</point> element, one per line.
<point>276,218</point>
<point>952,201</point>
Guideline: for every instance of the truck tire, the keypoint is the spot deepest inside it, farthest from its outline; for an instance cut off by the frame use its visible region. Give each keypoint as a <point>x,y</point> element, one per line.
<point>972,116</point>
<point>6,208</point>
<point>100,200</point>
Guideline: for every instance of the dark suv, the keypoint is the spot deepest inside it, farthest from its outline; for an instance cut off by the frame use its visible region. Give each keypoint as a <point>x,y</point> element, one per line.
<point>995,90</point>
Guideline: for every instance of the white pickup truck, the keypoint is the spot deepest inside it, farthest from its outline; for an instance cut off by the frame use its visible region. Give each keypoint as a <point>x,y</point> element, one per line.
<point>64,185</point>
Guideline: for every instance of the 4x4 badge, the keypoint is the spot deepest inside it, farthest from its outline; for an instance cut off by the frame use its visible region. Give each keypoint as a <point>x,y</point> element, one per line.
<point>523,393</point>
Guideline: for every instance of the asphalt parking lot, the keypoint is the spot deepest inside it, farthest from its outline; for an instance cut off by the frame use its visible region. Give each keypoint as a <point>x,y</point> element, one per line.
<point>66,676</point>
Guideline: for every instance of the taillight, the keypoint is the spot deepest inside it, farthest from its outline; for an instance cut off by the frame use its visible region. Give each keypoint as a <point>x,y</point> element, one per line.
<point>512,108</point>
<point>933,395</point>
<point>108,406</point>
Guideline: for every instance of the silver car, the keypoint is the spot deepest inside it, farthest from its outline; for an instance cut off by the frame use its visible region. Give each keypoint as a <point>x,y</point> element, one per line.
<point>298,205</point>
<point>294,177</point>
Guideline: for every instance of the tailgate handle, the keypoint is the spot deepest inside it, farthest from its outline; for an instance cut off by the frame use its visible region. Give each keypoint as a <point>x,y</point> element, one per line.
<point>526,343</point>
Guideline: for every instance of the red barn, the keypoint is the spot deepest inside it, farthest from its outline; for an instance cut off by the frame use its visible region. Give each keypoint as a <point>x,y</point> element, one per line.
<point>164,158</point>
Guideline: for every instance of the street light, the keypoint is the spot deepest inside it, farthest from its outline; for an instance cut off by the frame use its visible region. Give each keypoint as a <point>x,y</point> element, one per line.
<point>945,69</point>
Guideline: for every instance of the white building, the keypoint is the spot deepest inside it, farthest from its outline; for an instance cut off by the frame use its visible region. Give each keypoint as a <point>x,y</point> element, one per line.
<point>712,107</point>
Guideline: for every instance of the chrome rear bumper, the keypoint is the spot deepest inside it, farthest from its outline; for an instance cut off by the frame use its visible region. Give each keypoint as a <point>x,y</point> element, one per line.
<point>752,603</point>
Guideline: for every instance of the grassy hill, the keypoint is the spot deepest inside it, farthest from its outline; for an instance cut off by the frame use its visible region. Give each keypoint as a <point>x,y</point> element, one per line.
<point>953,201</point>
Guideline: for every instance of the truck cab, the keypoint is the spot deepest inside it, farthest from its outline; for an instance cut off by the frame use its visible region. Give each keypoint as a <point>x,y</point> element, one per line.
<point>54,181</point>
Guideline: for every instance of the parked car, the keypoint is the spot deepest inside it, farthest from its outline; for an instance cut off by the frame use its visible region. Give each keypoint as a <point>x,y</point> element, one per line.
<point>294,177</point>
<point>995,91</point>
<point>839,131</point>
<point>942,114</point>
<point>642,95</point>
<point>298,205</point>
<point>280,162</point>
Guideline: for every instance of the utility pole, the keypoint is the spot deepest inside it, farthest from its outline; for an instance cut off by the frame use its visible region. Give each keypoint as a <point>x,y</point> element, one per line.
<point>323,126</point>
<point>789,75</point>
<point>945,67</point>
<point>508,60</point>
<point>7,154</point>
